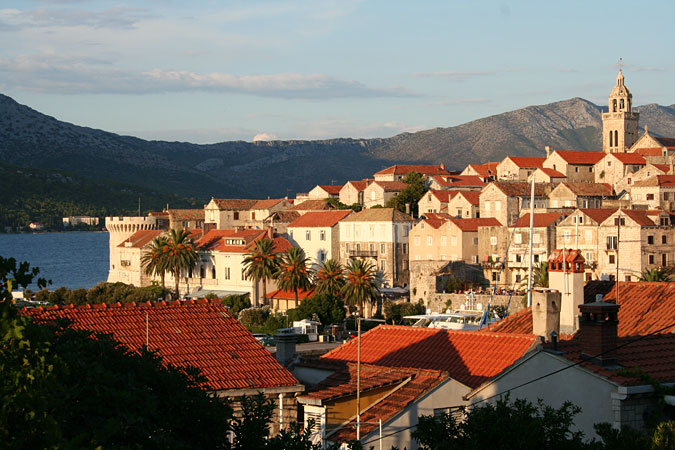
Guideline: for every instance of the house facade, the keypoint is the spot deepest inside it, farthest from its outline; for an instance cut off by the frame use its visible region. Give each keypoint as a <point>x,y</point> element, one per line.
<point>317,233</point>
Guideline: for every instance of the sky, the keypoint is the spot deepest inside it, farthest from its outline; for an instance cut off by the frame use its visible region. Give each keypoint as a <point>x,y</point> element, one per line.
<point>212,71</point>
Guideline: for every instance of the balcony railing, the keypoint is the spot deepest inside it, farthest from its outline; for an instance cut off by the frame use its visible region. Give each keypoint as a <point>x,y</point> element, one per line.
<point>363,253</point>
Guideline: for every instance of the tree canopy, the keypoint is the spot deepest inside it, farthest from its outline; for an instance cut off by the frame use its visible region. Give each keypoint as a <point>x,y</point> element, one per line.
<point>411,195</point>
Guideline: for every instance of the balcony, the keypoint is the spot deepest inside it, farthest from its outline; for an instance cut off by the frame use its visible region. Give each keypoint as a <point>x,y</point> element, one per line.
<point>362,253</point>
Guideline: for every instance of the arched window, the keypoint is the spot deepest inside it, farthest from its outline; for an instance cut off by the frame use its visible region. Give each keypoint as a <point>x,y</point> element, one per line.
<point>621,105</point>
<point>616,138</point>
<point>611,138</point>
<point>614,104</point>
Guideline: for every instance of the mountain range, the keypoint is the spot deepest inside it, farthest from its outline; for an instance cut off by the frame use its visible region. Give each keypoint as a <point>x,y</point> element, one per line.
<point>278,168</point>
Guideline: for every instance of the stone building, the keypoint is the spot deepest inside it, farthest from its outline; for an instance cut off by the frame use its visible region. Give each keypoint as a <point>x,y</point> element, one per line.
<point>487,171</point>
<point>399,171</point>
<point>518,168</point>
<point>620,122</point>
<point>577,166</point>
<point>226,213</point>
<point>507,200</point>
<point>378,193</point>
<point>546,175</point>
<point>457,182</point>
<point>579,195</point>
<point>657,192</point>
<point>465,205</point>
<point>435,201</point>
<point>378,235</point>
<point>352,192</point>
<point>317,233</point>
<point>614,167</point>
<point>325,191</point>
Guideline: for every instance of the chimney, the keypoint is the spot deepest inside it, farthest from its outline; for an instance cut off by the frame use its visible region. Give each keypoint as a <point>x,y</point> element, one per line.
<point>599,321</point>
<point>407,208</point>
<point>545,313</point>
<point>566,275</point>
<point>548,149</point>
<point>270,233</point>
<point>442,166</point>
<point>286,339</point>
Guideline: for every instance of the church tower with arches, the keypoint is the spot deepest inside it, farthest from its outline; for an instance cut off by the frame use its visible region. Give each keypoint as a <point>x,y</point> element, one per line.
<point>619,123</point>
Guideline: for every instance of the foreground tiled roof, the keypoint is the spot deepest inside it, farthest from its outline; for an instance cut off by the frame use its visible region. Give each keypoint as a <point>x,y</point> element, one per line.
<point>289,295</point>
<point>520,322</point>
<point>236,204</point>
<point>485,169</point>
<point>217,240</point>
<point>320,218</point>
<point>403,169</point>
<point>589,189</point>
<point>358,185</point>
<point>197,333</point>
<point>640,216</point>
<point>580,157</point>
<point>552,173</point>
<point>665,168</point>
<point>658,180</point>
<point>379,215</point>
<point>527,161</point>
<point>443,196</point>
<point>470,357</point>
<point>282,217</point>
<point>654,355</point>
<point>435,222</point>
<point>540,219</point>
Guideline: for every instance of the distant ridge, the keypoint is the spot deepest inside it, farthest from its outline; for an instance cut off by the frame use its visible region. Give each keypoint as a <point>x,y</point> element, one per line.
<point>277,168</point>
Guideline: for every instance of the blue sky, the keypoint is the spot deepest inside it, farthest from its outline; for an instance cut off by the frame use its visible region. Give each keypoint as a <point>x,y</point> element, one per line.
<point>209,71</point>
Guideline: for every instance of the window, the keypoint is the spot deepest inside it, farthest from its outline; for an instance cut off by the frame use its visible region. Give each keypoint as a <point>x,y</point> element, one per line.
<point>475,241</point>
<point>430,240</point>
<point>611,259</point>
<point>417,240</point>
<point>372,248</point>
<point>383,265</point>
<point>567,235</point>
<point>518,278</point>
<point>518,238</point>
<point>664,259</point>
<point>581,219</point>
<point>444,241</point>
<point>519,257</point>
<point>487,206</point>
<point>213,272</point>
<point>650,240</point>
<point>494,276</point>
<point>651,259</point>
<point>590,169</point>
<point>321,256</point>
<point>498,206</point>
<point>459,212</point>
<point>612,243</point>
<point>664,239</point>
<point>576,170</point>
<point>253,215</point>
<point>536,238</point>
<point>383,248</point>
<point>347,247</point>
<point>322,235</point>
<point>227,273</point>
<point>536,258</point>
<point>405,248</point>
<point>235,215</point>
<point>589,257</point>
<point>453,240</point>
<point>308,235</point>
<point>649,197</point>
<point>493,240</point>
<point>628,278</point>
<point>619,221</point>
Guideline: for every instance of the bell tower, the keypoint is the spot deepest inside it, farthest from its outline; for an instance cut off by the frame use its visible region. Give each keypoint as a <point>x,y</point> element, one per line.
<point>619,123</point>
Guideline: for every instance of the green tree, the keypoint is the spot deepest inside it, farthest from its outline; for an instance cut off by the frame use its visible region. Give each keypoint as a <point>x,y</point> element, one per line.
<point>411,195</point>
<point>362,283</point>
<point>180,253</point>
<point>660,274</point>
<point>260,264</point>
<point>328,308</point>
<point>293,272</point>
<point>539,275</point>
<point>330,277</point>
<point>154,260</point>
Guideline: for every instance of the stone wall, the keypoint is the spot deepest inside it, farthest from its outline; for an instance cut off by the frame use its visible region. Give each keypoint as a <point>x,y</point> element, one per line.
<point>438,301</point>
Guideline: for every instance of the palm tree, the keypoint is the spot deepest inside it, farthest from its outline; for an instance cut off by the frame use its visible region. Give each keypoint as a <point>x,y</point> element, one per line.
<point>293,273</point>
<point>153,260</point>
<point>362,283</point>
<point>330,277</point>
<point>660,274</point>
<point>539,275</point>
<point>180,253</point>
<point>261,263</point>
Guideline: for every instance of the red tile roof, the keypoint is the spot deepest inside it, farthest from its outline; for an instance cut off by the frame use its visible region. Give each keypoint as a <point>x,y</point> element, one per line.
<point>470,357</point>
<point>379,215</point>
<point>485,169</point>
<point>403,169</point>
<point>520,323</point>
<point>320,218</point>
<point>658,180</point>
<point>235,204</point>
<point>140,238</point>
<point>629,158</point>
<point>390,186</point>
<point>186,214</point>
<point>197,333</point>
<point>473,224</point>
<point>522,188</point>
<point>312,205</point>
<point>580,157</point>
<point>434,222</point>
<point>267,204</point>
<point>640,216</point>
<point>651,151</point>
<point>285,216</point>
<point>527,161</point>
<point>552,173</point>
<point>599,215</point>
<point>217,240</point>
<point>473,197</point>
<point>332,189</point>
<point>358,185</point>
<point>459,180</point>
<point>443,196</point>
<point>589,189</point>
<point>665,168</point>
<point>541,220</point>
<point>289,295</point>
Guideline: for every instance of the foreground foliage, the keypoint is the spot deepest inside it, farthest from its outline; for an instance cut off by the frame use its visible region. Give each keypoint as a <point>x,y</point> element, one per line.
<point>101,293</point>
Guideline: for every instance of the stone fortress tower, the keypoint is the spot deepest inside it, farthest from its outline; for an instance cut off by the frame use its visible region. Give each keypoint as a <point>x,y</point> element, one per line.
<point>620,123</point>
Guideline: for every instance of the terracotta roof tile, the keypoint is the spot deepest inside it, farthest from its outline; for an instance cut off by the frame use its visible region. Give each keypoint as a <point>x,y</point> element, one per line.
<point>640,216</point>
<point>599,215</point>
<point>358,185</point>
<point>186,214</point>
<point>473,224</point>
<point>443,196</point>
<point>522,188</point>
<point>197,333</point>
<point>541,220</point>
<point>434,222</point>
<point>527,161</point>
<point>470,357</point>
<point>665,168</point>
<point>290,295</point>
<point>520,322</point>
<point>140,238</point>
<point>267,204</point>
<point>473,197</point>
<point>577,157</point>
<point>552,173</point>
<point>390,186</point>
<point>403,169</point>
<point>651,151</point>
<point>629,158</point>
<point>459,180</point>
<point>589,189</point>
<point>235,204</point>
<point>320,218</point>
<point>312,205</point>
<point>332,189</point>
<point>485,169</point>
<point>379,215</point>
<point>658,180</point>
<point>282,217</point>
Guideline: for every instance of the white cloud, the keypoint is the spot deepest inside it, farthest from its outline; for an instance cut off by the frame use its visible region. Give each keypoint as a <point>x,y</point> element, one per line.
<point>265,137</point>
<point>124,18</point>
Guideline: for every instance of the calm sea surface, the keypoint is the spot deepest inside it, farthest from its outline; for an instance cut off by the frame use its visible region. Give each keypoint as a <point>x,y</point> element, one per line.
<point>74,259</point>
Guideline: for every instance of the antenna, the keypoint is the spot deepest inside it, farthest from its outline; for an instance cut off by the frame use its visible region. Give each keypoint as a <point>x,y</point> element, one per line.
<point>620,64</point>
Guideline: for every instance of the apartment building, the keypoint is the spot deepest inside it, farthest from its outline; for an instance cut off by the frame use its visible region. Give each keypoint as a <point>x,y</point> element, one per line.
<point>352,192</point>
<point>577,166</point>
<point>506,200</point>
<point>657,192</point>
<point>465,205</point>
<point>579,195</point>
<point>381,236</point>
<point>317,233</point>
<point>518,168</point>
<point>378,193</point>
<point>613,167</point>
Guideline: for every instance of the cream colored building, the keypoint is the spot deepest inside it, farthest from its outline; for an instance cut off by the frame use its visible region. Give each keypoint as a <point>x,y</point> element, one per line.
<point>648,171</point>
<point>227,213</point>
<point>579,195</point>
<point>465,205</point>
<point>325,191</point>
<point>657,192</point>
<point>378,193</point>
<point>379,235</point>
<point>317,233</point>
<point>506,200</point>
<point>546,175</point>
<point>457,182</point>
<point>435,201</point>
<point>620,122</point>
<point>577,166</point>
<point>487,171</point>
<point>124,261</point>
<point>518,168</point>
<point>614,167</point>
<point>656,150</point>
<point>399,171</point>
<point>352,192</point>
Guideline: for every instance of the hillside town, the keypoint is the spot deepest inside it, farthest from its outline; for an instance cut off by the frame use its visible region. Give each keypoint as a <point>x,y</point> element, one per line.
<point>598,222</point>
